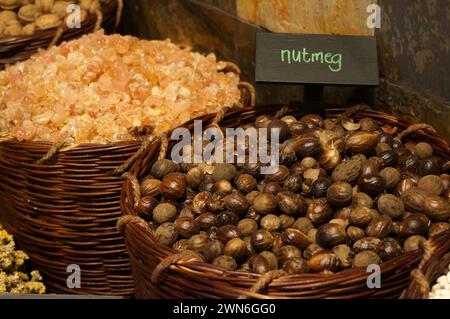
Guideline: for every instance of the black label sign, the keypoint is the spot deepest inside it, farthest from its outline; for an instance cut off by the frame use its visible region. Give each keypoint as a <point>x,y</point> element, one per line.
<point>321,59</point>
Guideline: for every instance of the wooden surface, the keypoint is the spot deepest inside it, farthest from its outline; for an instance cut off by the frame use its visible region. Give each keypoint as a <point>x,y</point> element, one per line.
<point>320,59</point>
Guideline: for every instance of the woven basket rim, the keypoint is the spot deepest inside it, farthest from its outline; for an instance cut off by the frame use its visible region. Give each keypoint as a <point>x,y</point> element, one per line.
<point>207,270</point>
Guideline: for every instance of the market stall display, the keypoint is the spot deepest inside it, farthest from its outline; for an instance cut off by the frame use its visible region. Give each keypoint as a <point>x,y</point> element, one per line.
<point>70,117</point>
<point>26,26</point>
<point>346,195</point>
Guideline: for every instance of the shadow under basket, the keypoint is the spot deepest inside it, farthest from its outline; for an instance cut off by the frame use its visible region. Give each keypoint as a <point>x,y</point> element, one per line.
<point>18,48</point>
<point>161,272</point>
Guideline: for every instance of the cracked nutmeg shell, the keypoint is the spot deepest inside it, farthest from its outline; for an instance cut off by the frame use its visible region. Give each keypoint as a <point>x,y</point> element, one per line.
<point>349,170</point>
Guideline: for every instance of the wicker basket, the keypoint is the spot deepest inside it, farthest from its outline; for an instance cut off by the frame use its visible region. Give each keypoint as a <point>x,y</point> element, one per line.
<point>160,272</point>
<point>433,265</point>
<point>62,206</point>
<point>19,48</point>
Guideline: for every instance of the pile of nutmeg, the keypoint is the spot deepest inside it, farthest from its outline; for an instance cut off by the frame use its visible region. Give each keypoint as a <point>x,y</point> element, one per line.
<point>346,194</point>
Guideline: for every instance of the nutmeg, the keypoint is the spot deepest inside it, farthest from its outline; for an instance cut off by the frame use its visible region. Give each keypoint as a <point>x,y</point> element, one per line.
<point>236,248</point>
<point>224,171</point>
<point>414,224</point>
<point>330,159</point>
<point>278,175</point>
<point>286,221</point>
<point>270,222</point>
<point>247,226</point>
<point>262,240</point>
<point>213,250</point>
<point>181,245</point>
<point>379,227</point>
<point>206,220</point>
<point>349,170</point>
<point>303,224</point>
<point>391,205</point>
<point>150,187</point>
<point>226,218</point>
<point>414,199</point>
<point>389,248</point>
<point>146,206</point>
<point>187,226</point>
<point>360,216</point>
<point>362,199</point>
<point>288,251</point>
<point>355,233</point>
<point>272,260</point>
<point>245,183</point>
<point>361,142</point>
<point>198,242</point>
<point>413,243</point>
<point>166,234</point>
<point>367,243</point>
<point>297,238</point>
<point>200,202</point>
<point>305,146</point>
<point>319,211</point>
<point>324,261</point>
<point>222,186</point>
<point>432,184</point>
<point>295,265</point>
<point>311,250</point>
<point>391,176</point>
<point>373,185</point>
<point>163,167</point>
<point>236,202</point>
<point>173,186</point>
<point>164,212</point>
<point>293,183</point>
<point>320,186</point>
<point>227,232</point>
<point>423,150</point>
<point>366,258</point>
<point>265,203</point>
<point>438,228</point>
<point>290,203</point>
<point>345,255</point>
<point>226,262</point>
<point>437,208</point>
<point>340,194</point>
<point>194,177</point>
<point>258,265</point>
<point>272,188</point>
<point>330,235</point>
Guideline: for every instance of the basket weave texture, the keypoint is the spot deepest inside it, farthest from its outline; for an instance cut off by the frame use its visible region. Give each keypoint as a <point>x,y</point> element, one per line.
<point>160,272</point>
<point>19,48</point>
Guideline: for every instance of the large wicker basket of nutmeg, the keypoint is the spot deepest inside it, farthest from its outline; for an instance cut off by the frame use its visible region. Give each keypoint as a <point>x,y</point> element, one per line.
<point>28,25</point>
<point>358,199</point>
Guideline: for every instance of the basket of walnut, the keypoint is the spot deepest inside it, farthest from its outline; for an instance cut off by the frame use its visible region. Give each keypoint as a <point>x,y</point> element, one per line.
<point>28,25</point>
<point>345,207</point>
<point>72,119</point>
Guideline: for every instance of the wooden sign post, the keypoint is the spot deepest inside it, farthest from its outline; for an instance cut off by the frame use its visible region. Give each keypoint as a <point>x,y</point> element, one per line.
<point>316,60</point>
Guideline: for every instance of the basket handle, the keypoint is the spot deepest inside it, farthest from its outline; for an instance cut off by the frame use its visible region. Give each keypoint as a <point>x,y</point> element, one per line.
<point>135,188</point>
<point>251,91</point>
<point>51,153</point>
<point>264,281</point>
<point>182,257</point>
<point>126,219</point>
<point>144,147</point>
<point>282,112</point>
<point>415,128</point>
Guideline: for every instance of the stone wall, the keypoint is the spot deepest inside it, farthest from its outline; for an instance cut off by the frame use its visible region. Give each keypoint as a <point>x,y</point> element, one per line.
<point>413,44</point>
